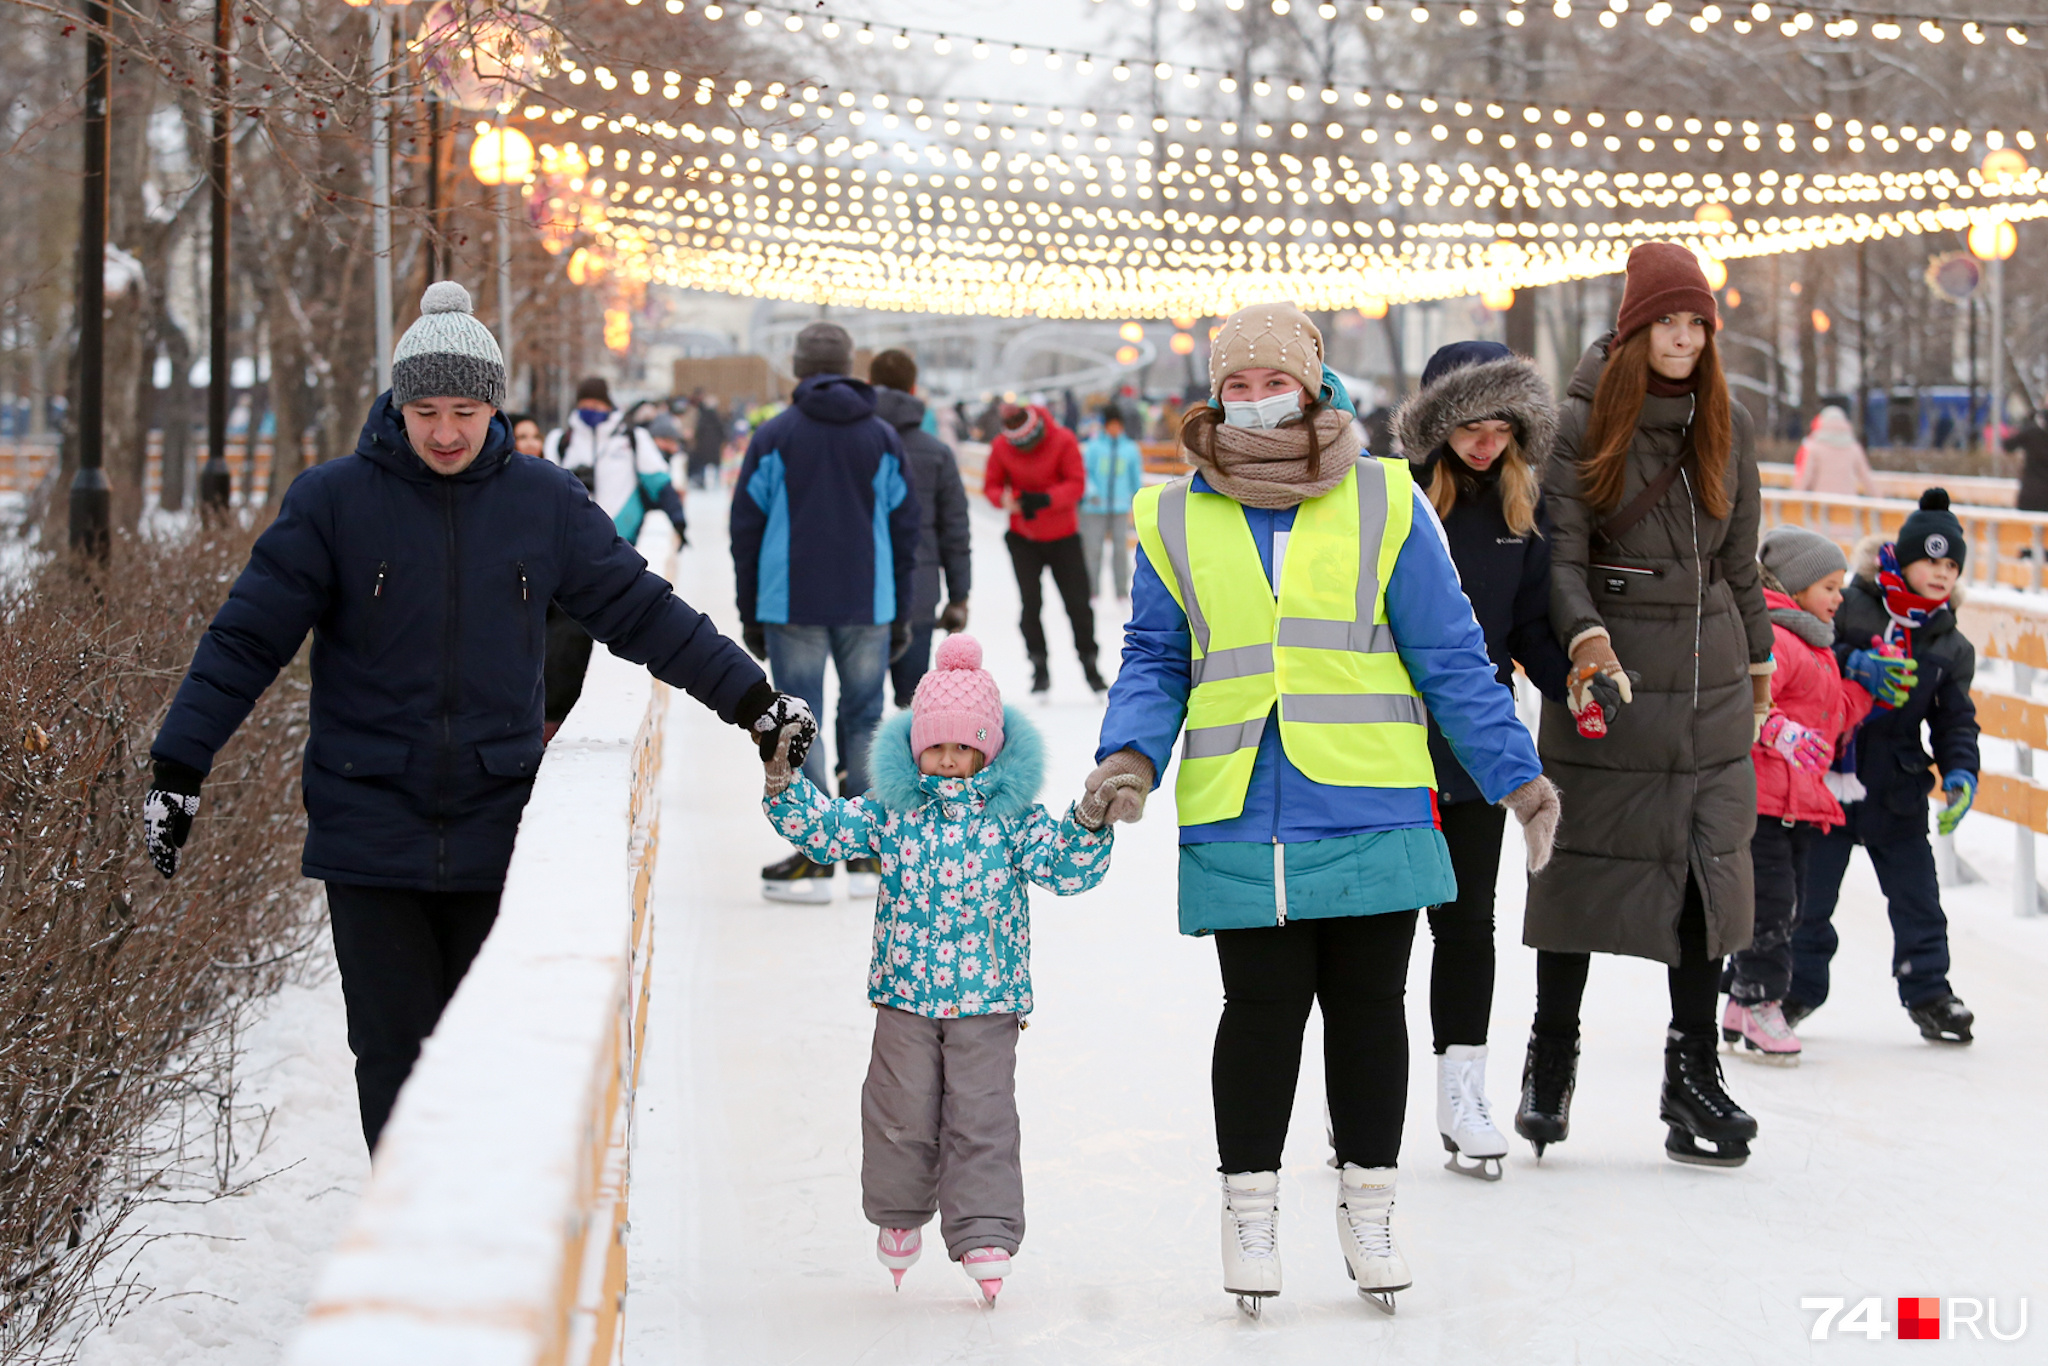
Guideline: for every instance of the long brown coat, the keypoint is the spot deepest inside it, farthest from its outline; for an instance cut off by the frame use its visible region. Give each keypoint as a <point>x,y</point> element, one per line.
<point>1670,788</point>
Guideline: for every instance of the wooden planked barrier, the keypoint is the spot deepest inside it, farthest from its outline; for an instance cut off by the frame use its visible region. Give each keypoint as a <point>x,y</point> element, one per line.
<point>24,463</point>
<point>1975,489</point>
<point>2006,546</point>
<point>2013,627</point>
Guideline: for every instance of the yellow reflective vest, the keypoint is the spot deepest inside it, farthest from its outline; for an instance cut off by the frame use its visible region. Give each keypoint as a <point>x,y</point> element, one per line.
<point>1321,650</point>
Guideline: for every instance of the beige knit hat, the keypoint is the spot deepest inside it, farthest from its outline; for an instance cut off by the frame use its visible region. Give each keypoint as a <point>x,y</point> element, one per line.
<point>1273,336</point>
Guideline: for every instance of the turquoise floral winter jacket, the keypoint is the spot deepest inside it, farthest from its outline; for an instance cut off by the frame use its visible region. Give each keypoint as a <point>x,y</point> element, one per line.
<point>953,919</point>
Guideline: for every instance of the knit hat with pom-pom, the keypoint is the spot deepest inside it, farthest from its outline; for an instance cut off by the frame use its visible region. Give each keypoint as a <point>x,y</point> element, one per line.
<point>447,353</point>
<point>1932,532</point>
<point>958,702</point>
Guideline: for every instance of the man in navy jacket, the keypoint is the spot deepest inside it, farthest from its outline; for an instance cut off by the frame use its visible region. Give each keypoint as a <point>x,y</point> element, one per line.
<point>825,527</point>
<point>423,565</point>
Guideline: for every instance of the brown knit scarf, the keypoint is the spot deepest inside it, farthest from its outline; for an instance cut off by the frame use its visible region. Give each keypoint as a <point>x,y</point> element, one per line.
<point>1269,469</point>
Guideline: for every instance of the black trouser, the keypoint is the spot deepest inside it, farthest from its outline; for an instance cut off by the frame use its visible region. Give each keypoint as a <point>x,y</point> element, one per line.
<point>1069,575</point>
<point>1461,970</point>
<point>914,663</point>
<point>1905,873</point>
<point>568,659</point>
<point>1356,969</point>
<point>402,952</point>
<point>1763,971</point>
<point>1694,983</point>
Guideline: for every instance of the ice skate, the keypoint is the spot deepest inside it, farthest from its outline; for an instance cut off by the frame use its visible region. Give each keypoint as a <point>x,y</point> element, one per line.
<point>863,878</point>
<point>986,1267</point>
<point>898,1249</point>
<point>1462,1115</point>
<point>1946,1020</point>
<point>1041,676</point>
<point>1794,1011</point>
<point>1365,1230</point>
<point>1251,1238</point>
<point>1094,675</point>
<point>1697,1107</point>
<point>797,879</point>
<point>1761,1030</point>
<point>1550,1072</point>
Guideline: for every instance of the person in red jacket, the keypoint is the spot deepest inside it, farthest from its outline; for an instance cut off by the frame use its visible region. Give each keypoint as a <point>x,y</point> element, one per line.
<point>1036,475</point>
<point>1814,711</point>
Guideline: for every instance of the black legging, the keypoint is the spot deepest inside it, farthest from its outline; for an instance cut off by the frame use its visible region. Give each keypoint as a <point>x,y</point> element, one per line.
<point>1356,969</point>
<point>1694,983</point>
<point>1069,575</point>
<point>1461,969</point>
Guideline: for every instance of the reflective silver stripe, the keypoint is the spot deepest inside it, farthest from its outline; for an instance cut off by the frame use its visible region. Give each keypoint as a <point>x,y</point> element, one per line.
<point>1347,709</point>
<point>1216,742</point>
<point>1242,661</point>
<point>1372,513</point>
<point>1360,637</point>
<point>1173,533</point>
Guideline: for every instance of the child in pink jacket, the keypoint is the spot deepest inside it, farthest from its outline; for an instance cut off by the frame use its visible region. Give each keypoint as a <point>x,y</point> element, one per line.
<point>1814,711</point>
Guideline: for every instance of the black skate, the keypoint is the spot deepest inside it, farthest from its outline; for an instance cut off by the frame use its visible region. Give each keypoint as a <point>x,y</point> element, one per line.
<point>1041,676</point>
<point>1094,675</point>
<point>1550,1072</point>
<point>1794,1011</point>
<point>1944,1020</point>
<point>1696,1106</point>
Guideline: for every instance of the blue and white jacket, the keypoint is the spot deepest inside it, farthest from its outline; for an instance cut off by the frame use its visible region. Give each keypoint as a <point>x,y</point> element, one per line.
<point>824,522</point>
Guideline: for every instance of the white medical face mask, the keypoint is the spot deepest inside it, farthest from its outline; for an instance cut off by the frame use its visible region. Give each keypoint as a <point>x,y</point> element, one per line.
<point>1264,413</point>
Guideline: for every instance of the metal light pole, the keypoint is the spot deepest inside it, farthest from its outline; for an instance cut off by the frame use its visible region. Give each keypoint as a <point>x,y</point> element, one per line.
<point>89,492</point>
<point>214,483</point>
<point>380,190</point>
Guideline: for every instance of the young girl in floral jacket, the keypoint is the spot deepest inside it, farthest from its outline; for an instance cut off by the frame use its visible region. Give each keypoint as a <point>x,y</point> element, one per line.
<point>953,816</point>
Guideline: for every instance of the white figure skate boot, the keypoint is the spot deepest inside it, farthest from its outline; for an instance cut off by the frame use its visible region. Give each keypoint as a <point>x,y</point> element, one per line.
<point>1365,1230</point>
<point>1251,1238</point>
<point>1462,1116</point>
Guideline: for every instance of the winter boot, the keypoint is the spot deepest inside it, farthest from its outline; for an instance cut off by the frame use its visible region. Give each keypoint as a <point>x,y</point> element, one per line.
<point>1365,1230</point>
<point>898,1249</point>
<point>1759,1026</point>
<point>796,878</point>
<point>1094,675</point>
<point>1696,1105</point>
<point>1462,1116</point>
<point>986,1267</point>
<point>863,878</point>
<point>1041,676</point>
<point>1943,1020</point>
<point>1550,1072</point>
<point>1251,1238</point>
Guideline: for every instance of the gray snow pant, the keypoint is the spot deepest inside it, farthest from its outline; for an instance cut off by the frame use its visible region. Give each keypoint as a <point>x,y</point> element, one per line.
<point>938,1121</point>
<point>1115,528</point>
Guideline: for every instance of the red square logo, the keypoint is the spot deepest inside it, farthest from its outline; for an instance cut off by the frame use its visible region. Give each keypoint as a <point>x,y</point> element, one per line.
<point>1919,1318</point>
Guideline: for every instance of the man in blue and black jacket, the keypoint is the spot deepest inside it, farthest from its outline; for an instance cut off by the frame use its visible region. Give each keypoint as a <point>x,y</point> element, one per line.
<point>825,527</point>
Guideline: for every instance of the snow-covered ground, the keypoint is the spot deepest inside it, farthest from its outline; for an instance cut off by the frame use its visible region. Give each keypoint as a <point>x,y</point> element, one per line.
<point>1886,1166</point>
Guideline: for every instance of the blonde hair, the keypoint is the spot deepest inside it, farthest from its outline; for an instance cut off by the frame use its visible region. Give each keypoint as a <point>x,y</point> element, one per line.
<point>1518,485</point>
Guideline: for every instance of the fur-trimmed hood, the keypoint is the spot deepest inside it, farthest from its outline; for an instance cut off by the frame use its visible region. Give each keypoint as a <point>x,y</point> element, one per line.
<point>1510,388</point>
<point>1863,564</point>
<point>1008,786</point>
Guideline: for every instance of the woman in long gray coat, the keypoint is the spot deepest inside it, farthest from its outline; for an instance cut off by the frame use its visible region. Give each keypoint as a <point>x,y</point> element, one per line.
<point>1655,595</point>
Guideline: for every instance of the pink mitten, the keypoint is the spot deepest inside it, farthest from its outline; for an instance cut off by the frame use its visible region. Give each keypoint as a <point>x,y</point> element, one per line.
<point>1801,746</point>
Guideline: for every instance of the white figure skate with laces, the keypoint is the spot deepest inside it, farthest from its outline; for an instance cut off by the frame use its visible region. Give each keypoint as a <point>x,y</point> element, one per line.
<point>1462,1115</point>
<point>1365,1230</point>
<point>1251,1238</point>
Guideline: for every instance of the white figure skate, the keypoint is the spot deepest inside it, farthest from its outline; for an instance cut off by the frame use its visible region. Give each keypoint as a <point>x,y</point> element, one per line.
<point>1251,1238</point>
<point>1462,1116</point>
<point>1365,1214</point>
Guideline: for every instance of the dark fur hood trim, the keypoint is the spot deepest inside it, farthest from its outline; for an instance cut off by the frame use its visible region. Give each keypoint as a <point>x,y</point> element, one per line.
<point>1512,388</point>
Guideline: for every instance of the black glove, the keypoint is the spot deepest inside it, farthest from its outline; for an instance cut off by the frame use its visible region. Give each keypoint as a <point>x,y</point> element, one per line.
<point>167,812</point>
<point>1031,504</point>
<point>766,714</point>
<point>954,618</point>
<point>899,640</point>
<point>754,636</point>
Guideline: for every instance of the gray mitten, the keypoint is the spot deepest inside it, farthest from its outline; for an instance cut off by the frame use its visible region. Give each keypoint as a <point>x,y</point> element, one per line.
<point>1535,804</point>
<point>1116,790</point>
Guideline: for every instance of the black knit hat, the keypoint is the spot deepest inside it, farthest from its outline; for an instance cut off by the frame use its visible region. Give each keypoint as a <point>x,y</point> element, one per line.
<point>1932,532</point>
<point>594,387</point>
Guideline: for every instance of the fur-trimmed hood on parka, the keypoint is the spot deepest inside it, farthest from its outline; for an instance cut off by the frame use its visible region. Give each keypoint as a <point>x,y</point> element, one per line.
<point>1008,786</point>
<point>1510,388</point>
<point>1863,565</point>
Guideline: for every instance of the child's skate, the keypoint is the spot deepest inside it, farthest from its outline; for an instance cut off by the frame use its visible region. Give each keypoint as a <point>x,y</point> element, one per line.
<point>898,1249</point>
<point>1762,1030</point>
<point>987,1266</point>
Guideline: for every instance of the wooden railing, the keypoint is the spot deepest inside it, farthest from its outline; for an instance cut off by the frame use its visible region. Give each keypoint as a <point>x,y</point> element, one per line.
<point>1974,489</point>
<point>2013,627</point>
<point>2005,547</point>
<point>24,463</point>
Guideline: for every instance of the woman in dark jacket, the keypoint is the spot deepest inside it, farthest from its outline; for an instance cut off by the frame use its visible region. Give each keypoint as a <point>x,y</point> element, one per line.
<point>1482,426</point>
<point>1655,594</point>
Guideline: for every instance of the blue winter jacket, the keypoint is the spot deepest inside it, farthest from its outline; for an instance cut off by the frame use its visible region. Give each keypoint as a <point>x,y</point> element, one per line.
<point>825,523</point>
<point>1116,471</point>
<point>427,597</point>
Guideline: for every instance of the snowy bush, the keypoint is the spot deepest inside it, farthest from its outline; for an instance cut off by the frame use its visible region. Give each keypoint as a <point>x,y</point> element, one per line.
<point>120,990</point>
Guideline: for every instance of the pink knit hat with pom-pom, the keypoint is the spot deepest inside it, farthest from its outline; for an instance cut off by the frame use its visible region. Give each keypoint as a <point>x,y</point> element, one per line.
<point>958,702</point>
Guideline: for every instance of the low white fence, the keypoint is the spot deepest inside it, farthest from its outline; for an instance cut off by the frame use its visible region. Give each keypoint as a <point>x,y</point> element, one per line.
<point>493,1226</point>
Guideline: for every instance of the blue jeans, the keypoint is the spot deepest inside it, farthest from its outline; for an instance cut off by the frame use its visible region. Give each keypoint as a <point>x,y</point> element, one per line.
<point>860,654</point>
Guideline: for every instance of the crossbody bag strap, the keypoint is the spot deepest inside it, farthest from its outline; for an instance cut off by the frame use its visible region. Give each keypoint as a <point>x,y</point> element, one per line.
<point>1617,526</point>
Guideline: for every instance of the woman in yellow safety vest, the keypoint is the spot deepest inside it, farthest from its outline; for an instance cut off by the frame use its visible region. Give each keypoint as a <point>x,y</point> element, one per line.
<point>1295,611</point>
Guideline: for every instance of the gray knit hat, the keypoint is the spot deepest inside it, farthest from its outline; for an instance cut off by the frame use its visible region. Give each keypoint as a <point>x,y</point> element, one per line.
<point>822,349</point>
<point>1799,558</point>
<point>447,353</point>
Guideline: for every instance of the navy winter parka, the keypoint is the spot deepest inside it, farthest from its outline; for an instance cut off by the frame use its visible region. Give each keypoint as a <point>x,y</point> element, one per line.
<point>427,596</point>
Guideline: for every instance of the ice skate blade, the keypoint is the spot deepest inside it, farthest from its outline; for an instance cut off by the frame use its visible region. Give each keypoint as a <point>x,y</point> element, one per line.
<point>1681,1146</point>
<point>863,886</point>
<point>896,1272</point>
<point>989,1290</point>
<point>798,894</point>
<point>1481,1168</point>
<point>1250,1302</point>
<point>1757,1055</point>
<point>1382,1300</point>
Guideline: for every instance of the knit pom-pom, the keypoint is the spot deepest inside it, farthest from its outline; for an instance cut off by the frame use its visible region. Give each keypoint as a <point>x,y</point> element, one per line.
<point>960,652</point>
<point>446,296</point>
<point>1934,500</point>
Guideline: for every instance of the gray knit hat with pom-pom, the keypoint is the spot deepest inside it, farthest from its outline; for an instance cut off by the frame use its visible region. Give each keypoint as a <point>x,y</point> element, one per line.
<point>447,353</point>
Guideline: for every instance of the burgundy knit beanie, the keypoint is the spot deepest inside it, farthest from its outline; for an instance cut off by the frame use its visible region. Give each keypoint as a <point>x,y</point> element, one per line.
<point>1662,277</point>
<point>957,702</point>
